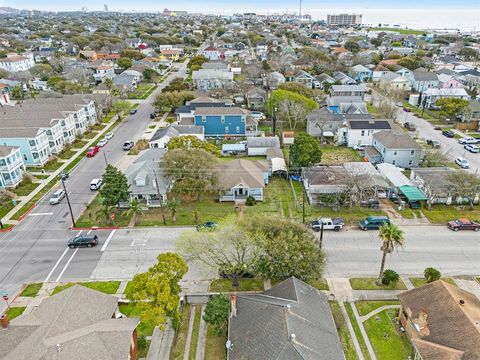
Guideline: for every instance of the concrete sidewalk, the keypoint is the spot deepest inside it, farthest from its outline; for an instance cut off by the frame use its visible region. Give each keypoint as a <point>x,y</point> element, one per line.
<point>161,343</point>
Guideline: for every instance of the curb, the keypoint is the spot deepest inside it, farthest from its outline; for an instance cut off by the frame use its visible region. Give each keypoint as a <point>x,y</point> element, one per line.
<point>96,228</point>
<point>8,229</point>
<point>27,212</point>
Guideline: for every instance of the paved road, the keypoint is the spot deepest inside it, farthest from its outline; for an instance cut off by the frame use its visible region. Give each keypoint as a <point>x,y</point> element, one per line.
<point>32,248</point>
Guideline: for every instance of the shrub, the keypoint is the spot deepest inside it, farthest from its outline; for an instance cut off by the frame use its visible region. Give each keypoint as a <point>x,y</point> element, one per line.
<point>250,201</point>
<point>216,313</point>
<point>431,274</point>
<point>142,342</point>
<point>390,277</point>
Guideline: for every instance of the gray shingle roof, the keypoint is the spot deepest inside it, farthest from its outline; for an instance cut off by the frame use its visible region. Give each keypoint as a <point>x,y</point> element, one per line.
<point>396,140</point>
<point>268,142</point>
<point>370,124</point>
<point>246,172</point>
<point>6,150</point>
<point>177,130</point>
<point>290,321</point>
<point>227,110</point>
<point>425,76</point>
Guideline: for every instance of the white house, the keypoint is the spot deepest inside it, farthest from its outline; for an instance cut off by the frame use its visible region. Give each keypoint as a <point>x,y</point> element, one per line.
<point>16,63</point>
<point>163,135</point>
<point>360,132</point>
<point>211,53</point>
<point>432,95</point>
<point>258,146</point>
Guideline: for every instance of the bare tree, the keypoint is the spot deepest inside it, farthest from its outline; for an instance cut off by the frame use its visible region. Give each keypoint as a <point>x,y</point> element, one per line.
<point>465,185</point>
<point>292,112</point>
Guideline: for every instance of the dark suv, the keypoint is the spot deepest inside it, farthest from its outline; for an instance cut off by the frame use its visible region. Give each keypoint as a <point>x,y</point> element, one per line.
<point>83,240</point>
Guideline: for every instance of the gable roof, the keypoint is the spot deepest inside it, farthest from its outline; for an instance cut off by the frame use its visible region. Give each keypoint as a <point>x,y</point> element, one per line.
<point>371,124</point>
<point>292,320</point>
<point>395,140</point>
<point>262,142</point>
<point>425,76</point>
<point>245,172</point>
<point>445,321</point>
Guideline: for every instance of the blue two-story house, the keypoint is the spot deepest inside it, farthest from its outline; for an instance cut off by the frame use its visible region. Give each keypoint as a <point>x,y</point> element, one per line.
<point>11,166</point>
<point>225,121</point>
<point>33,144</point>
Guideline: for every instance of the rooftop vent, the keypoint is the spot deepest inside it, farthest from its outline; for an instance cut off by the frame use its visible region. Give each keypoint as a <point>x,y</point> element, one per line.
<point>293,337</point>
<point>462,302</point>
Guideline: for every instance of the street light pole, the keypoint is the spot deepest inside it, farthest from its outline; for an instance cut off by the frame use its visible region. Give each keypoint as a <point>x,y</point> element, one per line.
<point>68,202</point>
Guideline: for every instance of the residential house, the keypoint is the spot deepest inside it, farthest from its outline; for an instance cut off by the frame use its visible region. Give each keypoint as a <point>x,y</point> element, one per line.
<point>170,54</point>
<point>397,148</point>
<point>88,55</point>
<point>449,82</point>
<point>256,98</point>
<point>211,53</point>
<point>348,90</point>
<point>103,72</point>
<point>394,82</point>
<point>288,137</point>
<point>11,166</point>
<point>321,182</point>
<point>125,82</point>
<point>292,320</point>
<point>274,80</point>
<point>216,65</point>
<point>441,321</point>
<point>378,72</point>
<point>325,80</point>
<point>361,132</point>
<point>77,323</point>
<point>205,79</point>
<point>163,135</point>
<point>343,79</point>
<point>15,63</point>
<point>258,146</point>
<point>243,178</point>
<point>324,123</point>
<point>277,161</point>
<point>146,179</point>
<point>186,112</point>
<point>430,96</point>
<point>307,80</point>
<point>225,121</point>
<point>475,110</point>
<point>360,73</point>
<point>423,80</point>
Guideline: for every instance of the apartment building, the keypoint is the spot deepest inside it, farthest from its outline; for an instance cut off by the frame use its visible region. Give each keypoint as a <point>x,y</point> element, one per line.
<point>32,141</point>
<point>344,19</point>
<point>16,63</point>
<point>11,166</point>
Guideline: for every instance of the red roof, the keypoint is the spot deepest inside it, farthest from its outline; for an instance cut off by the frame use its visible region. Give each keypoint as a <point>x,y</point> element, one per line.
<point>210,48</point>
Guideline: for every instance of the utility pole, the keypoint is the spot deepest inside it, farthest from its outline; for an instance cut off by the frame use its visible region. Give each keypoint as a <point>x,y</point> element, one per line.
<point>303,206</point>
<point>68,202</point>
<point>159,197</point>
<point>105,157</point>
<point>321,236</point>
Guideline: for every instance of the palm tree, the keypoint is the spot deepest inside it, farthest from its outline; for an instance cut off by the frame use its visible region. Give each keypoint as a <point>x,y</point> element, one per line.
<point>104,214</point>
<point>135,210</point>
<point>392,238</point>
<point>172,206</point>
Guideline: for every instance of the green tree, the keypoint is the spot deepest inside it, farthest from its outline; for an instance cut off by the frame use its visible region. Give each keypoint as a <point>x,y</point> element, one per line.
<point>177,84</point>
<point>390,277</point>
<point>149,74</point>
<point>297,88</point>
<point>197,60</point>
<point>115,187</point>
<point>392,238</point>
<point>120,107</point>
<point>216,313</point>
<point>265,65</point>
<point>157,290</point>
<point>104,214</point>
<point>108,83</point>
<point>124,62</point>
<point>172,206</point>
<point>135,210</point>
<point>17,92</point>
<point>43,71</point>
<point>465,185</point>
<point>431,274</point>
<point>305,151</point>
<point>131,54</point>
<point>171,100</point>
<point>192,142</point>
<point>468,53</point>
<point>192,171</point>
<point>452,107</point>
<point>410,62</point>
<point>352,45</point>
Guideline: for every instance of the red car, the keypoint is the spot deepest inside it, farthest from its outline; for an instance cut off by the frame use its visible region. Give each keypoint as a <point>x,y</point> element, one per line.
<point>463,224</point>
<point>92,151</point>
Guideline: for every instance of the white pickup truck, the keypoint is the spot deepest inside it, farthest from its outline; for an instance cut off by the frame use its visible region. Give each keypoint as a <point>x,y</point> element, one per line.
<point>335,224</point>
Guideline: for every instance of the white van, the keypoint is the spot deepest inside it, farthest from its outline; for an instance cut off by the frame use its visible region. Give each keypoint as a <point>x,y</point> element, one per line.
<point>96,184</point>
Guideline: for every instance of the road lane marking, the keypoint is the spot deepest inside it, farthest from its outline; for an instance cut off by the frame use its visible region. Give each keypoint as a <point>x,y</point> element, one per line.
<point>66,265</point>
<point>58,262</point>
<point>108,240</point>
<point>89,231</point>
<point>40,214</point>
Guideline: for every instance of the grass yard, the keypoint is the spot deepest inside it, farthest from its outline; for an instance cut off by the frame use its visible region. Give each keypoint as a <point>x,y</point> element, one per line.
<point>417,282</point>
<point>142,91</point>
<point>441,214</point>
<point>356,330</point>
<point>278,200</point>
<point>320,284</point>
<point>108,117</point>
<point>181,335</point>
<point>106,287</point>
<point>41,176</point>
<point>92,216</point>
<point>25,188</point>
<point>196,328</point>
<point>14,312</point>
<point>52,165</point>
<point>400,31</point>
<point>33,201</point>
<point>387,340</point>
<point>337,155</point>
<point>343,333</point>
<point>139,146</point>
<point>143,350</point>
<point>67,154</point>
<point>31,290</point>
<point>369,284</point>
<point>5,208</point>
<point>365,307</point>
<point>78,144</point>
<point>225,285</point>
<point>215,346</point>
<point>89,134</point>
<point>132,310</point>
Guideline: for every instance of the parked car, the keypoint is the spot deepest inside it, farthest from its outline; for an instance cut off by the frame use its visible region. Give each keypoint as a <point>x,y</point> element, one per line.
<point>102,142</point>
<point>152,116</point>
<point>370,203</point>
<point>381,194</point>
<point>437,128</point>
<point>109,135</point>
<point>448,133</point>
<point>92,151</point>
<point>462,162</point>
<point>133,111</point>
<point>210,225</point>
<point>409,126</point>
<point>373,222</point>
<point>83,241</point>
<point>360,147</point>
<point>463,224</point>
<point>127,145</point>
<point>467,140</point>
<point>96,184</point>
<point>257,115</point>
<point>433,143</point>
<point>407,109</point>
<point>472,148</point>
<point>56,197</point>
<point>335,224</point>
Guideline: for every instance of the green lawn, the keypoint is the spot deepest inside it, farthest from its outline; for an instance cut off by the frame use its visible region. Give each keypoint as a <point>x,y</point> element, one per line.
<point>196,328</point>
<point>277,200</point>
<point>320,284</point>
<point>400,31</point>
<point>225,285</point>
<point>132,310</point>
<point>52,165</point>
<point>34,200</point>
<point>31,290</point>
<point>14,312</point>
<point>337,155</point>
<point>365,307</point>
<point>5,208</point>
<point>387,340</point>
<point>78,144</point>
<point>441,214</point>
<point>181,335</point>
<point>25,188</point>
<point>343,333</point>
<point>215,346</point>
<point>417,282</point>
<point>369,284</point>
<point>356,330</point>
<point>41,177</point>
<point>142,91</point>
<point>89,134</point>
<point>128,289</point>
<point>91,216</point>
<point>143,350</point>
<point>107,287</point>
<point>67,154</point>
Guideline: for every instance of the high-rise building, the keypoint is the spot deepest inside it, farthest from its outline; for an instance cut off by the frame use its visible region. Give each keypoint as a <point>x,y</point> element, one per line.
<point>105,7</point>
<point>344,20</point>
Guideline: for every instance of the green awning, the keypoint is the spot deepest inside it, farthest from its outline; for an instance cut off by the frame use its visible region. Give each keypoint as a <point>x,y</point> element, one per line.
<point>412,193</point>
